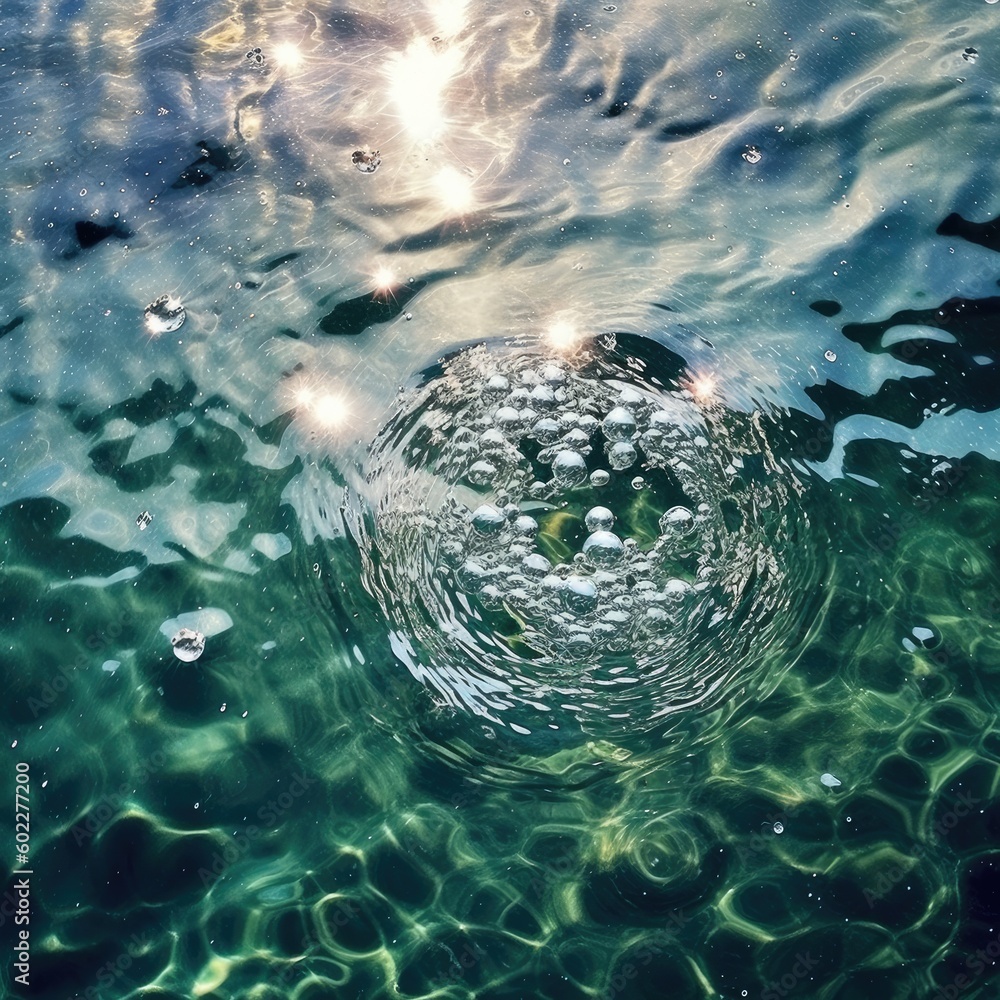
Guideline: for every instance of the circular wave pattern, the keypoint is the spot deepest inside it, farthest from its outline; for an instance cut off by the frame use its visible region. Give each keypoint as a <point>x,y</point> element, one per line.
<point>587,542</point>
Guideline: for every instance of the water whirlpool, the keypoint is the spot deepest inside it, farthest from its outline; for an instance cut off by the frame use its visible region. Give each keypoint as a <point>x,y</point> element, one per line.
<point>587,542</point>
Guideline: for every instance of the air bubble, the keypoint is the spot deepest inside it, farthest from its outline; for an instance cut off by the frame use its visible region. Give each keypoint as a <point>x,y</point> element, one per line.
<point>600,477</point>
<point>603,548</point>
<point>677,522</point>
<point>482,473</point>
<point>487,519</point>
<point>599,519</point>
<point>569,468</point>
<point>618,425</point>
<point>622,455</point>
<point>546,430</point>
<point>752,154</point>
<point>579,593</point>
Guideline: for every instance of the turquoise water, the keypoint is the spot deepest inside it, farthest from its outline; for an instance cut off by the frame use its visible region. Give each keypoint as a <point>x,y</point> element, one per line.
<point>570,430</point>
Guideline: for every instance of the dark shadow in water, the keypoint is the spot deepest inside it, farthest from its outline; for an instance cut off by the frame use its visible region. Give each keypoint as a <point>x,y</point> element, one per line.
<point>986,234</point>
<point>355,315</point>
<point>213,159</point>
<point>89,234</point>
<point>11,326</point>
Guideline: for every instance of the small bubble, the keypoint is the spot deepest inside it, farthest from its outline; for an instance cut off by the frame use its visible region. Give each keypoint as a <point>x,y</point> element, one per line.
<point>752,154</point>
<point>740,55</point>
<point>779,828</point>
<point>830,356</point>
<point>610,8</point>
<point>566,162</point>
<point>408,315</point>
<point>600,477</point>
<point>638,483</point>
<point>970,55</point>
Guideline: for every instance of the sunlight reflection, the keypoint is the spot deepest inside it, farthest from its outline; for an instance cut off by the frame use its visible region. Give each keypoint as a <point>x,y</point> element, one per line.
<point>454,189</point>
<point>418,78</point>
<point>286,55</point>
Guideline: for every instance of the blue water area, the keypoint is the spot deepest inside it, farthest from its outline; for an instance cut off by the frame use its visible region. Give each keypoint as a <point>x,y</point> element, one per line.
<point>500,502</point>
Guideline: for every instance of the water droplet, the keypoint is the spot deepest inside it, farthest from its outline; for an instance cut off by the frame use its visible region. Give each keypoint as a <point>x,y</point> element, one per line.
<point>188,645</point>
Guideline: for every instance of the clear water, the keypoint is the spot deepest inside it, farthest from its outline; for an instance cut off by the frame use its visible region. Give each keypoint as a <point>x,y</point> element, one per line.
<point>572,430</point>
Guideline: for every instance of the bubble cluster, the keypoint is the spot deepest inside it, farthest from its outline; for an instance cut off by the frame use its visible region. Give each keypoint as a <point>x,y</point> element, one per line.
<point>188,644</point>
<point>568,537</point>
<point>165,315</point>
<point>366,160</point>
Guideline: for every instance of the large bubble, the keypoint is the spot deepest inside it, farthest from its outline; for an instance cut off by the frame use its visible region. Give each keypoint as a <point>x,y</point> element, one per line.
<point>528,576</point>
